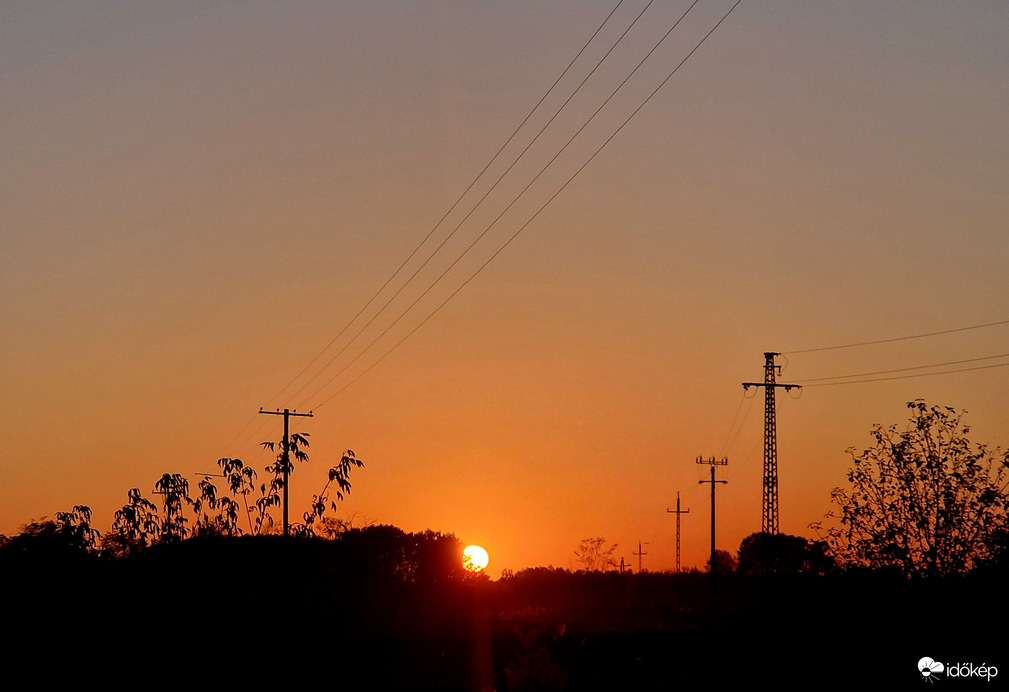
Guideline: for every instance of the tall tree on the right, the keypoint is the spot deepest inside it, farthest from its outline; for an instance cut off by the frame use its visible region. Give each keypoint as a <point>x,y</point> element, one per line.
<point>923,499</point>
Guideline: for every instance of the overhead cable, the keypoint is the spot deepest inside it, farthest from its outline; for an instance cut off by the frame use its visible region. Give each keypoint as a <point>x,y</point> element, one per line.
<point>447,213</point>
<point>913,367</point>
<point>517,197</point>
<point>901,338</point>
<point>473,209</point>
<point>905,377</point>
<point>544,206</point>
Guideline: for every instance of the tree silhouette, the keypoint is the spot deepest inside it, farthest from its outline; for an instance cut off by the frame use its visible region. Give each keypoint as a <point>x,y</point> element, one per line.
<point>724,562</point>
<point>780,553</point>
<point>340,474</point>
<point>593,556</point>
<point>69,535</point>
<point>270,494</point>
<point>242,478</point>
<point>75,526</point>
<point>241,483</point>
<point>134,526</point>
<point>174,491</point>
<point>140,523</point>
<point>923,499</point>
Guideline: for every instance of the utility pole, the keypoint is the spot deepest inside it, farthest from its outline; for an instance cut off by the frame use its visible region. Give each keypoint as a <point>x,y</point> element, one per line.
<point>287,413</point>
<point>769,522</point>
<point>713,462</point>
<point>639,554</point>
<point>678,512</point>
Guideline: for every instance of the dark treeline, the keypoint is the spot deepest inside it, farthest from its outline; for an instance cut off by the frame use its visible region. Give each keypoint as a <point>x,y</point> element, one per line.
<point>913,563</point>
<point>396,608</point>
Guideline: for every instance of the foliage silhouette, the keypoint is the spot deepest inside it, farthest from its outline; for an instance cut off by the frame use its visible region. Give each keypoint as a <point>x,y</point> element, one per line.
<point>270,494</point>
<point>767,553</point>
<point>134,526</point>
<point>724,562</point>
<point>69,535</point>
<point>139,523</point>
<point>385,553</point>
<point>75,527</point>
<point>592,556</point>
<point>341,475</point>
<point>395,608</point>
<point>174,491</point>
<point>923,500</point>
<point>241,483</point>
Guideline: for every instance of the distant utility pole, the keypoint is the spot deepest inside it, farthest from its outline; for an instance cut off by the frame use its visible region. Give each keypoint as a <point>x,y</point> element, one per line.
<point>769,523</point>
<point>287,413</point>
<point>678,512</point>
<point>713,462</point>
<point>639,554</point>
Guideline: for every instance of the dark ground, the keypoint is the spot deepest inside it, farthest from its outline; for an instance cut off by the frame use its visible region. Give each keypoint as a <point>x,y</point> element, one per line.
<point>217,611</point>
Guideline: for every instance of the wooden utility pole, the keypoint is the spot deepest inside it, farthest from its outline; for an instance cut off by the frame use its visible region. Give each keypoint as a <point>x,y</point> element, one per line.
<point>639,554</point>
<point>287,413</point>
<point>678,512</point>
<point>713,462</point>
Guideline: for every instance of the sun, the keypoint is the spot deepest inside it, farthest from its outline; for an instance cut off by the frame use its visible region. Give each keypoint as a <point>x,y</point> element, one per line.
<point>474,558</point>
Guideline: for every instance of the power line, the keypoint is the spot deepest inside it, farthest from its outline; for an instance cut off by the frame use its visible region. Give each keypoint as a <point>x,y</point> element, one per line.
<point>733,430</point>
<point>915,367</point>
<point>746,459</point>
<point>445,216</point>
<point>907,377</point>
<point>452,208</point>
<point>901,338</point>
<point>473,209</point>
<point>545,204</point>
<point>504,211</point>
<point>245,427</point>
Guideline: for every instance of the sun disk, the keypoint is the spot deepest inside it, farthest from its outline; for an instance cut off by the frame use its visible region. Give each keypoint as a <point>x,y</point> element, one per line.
<point>474,558</point>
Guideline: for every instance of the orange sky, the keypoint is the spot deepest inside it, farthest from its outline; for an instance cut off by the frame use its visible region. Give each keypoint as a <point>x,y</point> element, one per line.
<point>197,198</point>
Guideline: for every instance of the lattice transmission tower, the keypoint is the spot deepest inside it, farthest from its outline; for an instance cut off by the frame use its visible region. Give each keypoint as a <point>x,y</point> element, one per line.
<point>769,522</point>
<point>678,512</point>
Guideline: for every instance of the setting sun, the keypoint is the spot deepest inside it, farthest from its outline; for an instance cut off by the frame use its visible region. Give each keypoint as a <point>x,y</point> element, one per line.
<point>474,558</point>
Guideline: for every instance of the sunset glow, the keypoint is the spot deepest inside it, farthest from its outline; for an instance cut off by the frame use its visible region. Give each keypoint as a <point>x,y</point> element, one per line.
<point>205,205</point>
<point>475,558</point>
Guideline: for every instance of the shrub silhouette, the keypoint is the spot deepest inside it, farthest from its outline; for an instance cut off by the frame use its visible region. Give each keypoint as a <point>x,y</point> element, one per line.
<point>923,500</point>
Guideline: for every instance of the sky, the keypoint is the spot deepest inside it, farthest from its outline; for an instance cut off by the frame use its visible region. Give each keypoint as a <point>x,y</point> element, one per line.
<point>198,197</point>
